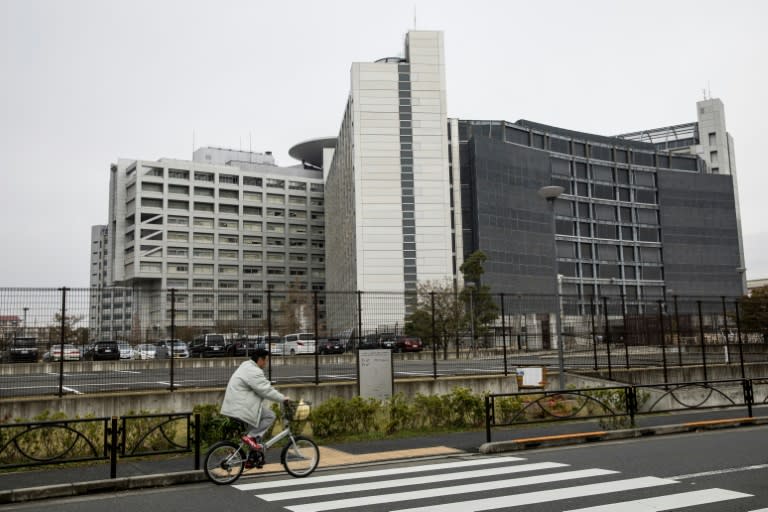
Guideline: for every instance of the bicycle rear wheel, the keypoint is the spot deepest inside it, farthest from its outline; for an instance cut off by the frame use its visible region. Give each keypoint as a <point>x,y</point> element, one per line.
<point>300,457</point>
<point>224,462</point>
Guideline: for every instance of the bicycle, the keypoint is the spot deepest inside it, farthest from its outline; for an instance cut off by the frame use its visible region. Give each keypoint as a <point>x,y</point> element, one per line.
<point>225,460</point>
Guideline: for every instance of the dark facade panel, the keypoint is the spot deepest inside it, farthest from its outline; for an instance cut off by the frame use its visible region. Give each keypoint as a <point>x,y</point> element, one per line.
<point>511,223</point>
<point>699,234</point>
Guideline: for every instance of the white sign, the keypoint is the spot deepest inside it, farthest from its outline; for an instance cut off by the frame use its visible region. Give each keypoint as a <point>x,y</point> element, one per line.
<point>375,371</point>
<point>532,376</point>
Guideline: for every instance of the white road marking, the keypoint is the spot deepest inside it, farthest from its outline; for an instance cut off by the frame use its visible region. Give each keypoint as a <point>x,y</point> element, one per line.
<point>71,390</point>
<point>452,490</point>
<point>127,371</point>
<point>530,498</point>
<point>719,472</point>
<point>410,480</point>
<point>293,482</point>
<point>669,502</point>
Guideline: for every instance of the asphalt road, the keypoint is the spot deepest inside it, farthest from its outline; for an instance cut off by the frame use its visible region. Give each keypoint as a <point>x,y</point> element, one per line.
<point>717,471</point>
<point>120,376</point>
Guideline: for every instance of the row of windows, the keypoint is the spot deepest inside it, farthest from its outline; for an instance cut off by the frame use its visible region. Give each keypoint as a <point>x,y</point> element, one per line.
<point>208,238</point>
<point>247,284</point>
<point>209,269</point>
<point>604,173</point>
<point>606,231</point>
<point>609,192</point>
<point>236,195</point>
<point>607,252</point>
<point>610,271</point>
<point>230,179</point>
<point>233,209</point>
<point>227,254</point>
<point>607,212</point>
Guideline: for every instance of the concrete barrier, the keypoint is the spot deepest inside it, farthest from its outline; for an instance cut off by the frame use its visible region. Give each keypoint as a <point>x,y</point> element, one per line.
<point>123,403</point>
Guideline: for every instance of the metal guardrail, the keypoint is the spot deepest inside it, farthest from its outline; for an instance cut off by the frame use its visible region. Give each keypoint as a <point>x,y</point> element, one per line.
<point>98,439</point>
<point>618,406</point>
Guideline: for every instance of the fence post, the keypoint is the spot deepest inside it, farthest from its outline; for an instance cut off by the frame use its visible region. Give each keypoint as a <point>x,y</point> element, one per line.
<point>197,440</point>
<point>725,331</point>
<point>631,403</point>
<point>173,330</point>
<point>594,335</point>
<point>748,394</point>
<point>317,351</point>
<point>359,336</point>
<point>624,325</point>
<point>607,337</point>
<point>269,330</point>
<point>434,337</point>
<point>488,413</point>
<point>663,344</point>
<point>113,448</point>
<point>701,335</point>
<point>62,338</point>
<point>738,334</point>
<point>504,336</point>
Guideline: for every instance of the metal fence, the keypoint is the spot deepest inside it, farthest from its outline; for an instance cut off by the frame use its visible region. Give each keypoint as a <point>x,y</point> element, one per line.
<point>466,332</point>
<point>99,439</point>
<point>619,406</point>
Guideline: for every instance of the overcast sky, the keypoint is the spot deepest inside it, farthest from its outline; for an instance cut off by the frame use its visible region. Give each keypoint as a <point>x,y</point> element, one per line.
<point>84,83</point>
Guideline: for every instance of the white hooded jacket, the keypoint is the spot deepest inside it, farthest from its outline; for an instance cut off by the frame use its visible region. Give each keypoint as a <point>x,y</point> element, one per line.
<point>247,389</point>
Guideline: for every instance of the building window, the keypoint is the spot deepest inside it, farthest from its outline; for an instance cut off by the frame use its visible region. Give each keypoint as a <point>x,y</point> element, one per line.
<point>205,254</point>
<point>254,227</point>
<point>297,185</point>
<point>275,183</point>
<point>713,158</point>
<point>275,199</point>
<point>203,207</point>
<point>251,181</point>
<point>204,176</point>
<point>178,236</point>
<point>228,224</point>
<point>200,268</point>
<point>229,194</point>
<point>151,203</point>
<point>229,239</point>
<point>230,179</point>
<point>204,191</point>
<point>179,252</point>
<point>228,255</point>
<point>178,174</point>
<point>178,205</point>
<point>713,139</point>
<point>178,189</point>
<point>232,209</point>
<point>254,197</point>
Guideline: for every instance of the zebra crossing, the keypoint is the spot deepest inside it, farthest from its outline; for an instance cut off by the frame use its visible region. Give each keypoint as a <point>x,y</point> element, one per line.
<point>476,484</point>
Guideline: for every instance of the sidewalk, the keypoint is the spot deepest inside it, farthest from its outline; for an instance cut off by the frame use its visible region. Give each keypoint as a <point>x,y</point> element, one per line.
<point>60,481</point>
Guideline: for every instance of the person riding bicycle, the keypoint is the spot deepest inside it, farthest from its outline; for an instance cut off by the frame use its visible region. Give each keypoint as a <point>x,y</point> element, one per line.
<point>244,398</point>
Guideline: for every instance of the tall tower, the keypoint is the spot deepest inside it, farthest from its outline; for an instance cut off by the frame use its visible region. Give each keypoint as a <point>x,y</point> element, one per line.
<point>388,185</point>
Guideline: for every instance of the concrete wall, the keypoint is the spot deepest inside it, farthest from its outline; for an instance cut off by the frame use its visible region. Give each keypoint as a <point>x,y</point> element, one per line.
<point>685,374</point>
<point>116,404</point>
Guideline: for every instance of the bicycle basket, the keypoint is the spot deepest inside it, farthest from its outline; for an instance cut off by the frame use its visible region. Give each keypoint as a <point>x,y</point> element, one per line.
<point>297,412</point>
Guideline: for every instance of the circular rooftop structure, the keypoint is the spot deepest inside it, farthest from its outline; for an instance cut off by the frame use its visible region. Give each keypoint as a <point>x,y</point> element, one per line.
<point>311,151</point>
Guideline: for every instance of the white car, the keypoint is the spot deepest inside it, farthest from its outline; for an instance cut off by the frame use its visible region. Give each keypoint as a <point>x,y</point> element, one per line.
<point>144,351</point>
<point>299,343</point>
<point>126,351</point>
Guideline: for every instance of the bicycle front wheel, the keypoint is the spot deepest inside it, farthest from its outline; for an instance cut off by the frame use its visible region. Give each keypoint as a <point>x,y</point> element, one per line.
<point>224,463</point>
<point>300,457</point>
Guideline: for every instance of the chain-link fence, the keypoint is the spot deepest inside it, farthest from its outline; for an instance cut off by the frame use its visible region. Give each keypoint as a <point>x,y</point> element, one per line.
<point>119,339</point>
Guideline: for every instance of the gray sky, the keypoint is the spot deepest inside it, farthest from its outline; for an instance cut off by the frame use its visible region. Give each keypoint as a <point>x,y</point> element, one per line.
<point>87,82</point>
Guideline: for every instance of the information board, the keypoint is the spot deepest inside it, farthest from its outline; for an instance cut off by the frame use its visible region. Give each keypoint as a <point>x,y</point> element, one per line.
<point>375,373</point>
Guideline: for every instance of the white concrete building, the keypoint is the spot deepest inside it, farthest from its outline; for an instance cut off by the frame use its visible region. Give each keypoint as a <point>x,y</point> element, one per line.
<point>388,185</point>
<point>242,224</point>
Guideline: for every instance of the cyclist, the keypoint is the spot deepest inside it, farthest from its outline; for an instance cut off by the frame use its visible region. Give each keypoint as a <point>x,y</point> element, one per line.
<point>244,398</point>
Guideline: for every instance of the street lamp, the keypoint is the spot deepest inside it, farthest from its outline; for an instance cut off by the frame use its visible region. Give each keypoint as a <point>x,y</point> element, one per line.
<point>550,193</point>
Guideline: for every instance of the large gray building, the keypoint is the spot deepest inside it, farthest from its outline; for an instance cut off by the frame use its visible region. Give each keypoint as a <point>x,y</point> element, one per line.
<point>633,219</point>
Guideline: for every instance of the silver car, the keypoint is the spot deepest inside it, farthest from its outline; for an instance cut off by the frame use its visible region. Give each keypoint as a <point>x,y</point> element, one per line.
<point>126,351</point>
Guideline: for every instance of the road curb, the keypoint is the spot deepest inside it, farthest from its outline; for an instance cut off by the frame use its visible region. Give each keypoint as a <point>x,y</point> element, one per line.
<point>100,486</point>
<point>529,443</point>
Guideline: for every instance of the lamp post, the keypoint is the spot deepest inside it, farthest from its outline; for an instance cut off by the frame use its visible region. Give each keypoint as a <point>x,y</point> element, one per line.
<point>24,331</point>
<point>551,193</point>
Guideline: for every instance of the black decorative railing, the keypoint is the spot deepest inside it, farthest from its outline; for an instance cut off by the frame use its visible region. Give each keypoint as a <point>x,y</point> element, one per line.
<point>617,407</point>
<point>98,439</point>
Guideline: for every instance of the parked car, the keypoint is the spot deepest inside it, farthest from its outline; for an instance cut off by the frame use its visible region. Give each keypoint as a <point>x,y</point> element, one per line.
<point>21,350</point>
<point>298,343</point>
<point>370,341</point>
<point>163,349</point>
<point>387,340</point>
<point>330,346</point>
<point>208,345</point>
<point>247,344</point>
<point>102,351</point>
<point>145,351</point>
<point>71,353</point>
<point>126,350</point>
<point>407,344</point>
